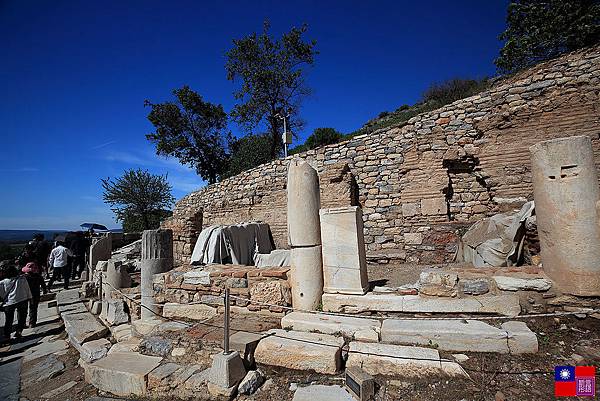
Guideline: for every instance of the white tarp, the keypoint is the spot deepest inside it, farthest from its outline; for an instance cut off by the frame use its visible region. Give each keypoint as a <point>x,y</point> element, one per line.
<point>237,244</point>
<point>277,258</point>
<point>497,241</point>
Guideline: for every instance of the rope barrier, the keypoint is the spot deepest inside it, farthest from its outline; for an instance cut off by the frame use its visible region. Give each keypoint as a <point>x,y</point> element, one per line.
<point>439,360</point>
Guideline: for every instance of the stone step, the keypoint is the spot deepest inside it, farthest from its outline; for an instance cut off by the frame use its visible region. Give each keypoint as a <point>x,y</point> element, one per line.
<point>83,327</point>
<point>460,335</point>
<point>121,373</point>
<point>399,360</point>
<point>505,304</point>
<point>300,351</point>
<point>361,329</point>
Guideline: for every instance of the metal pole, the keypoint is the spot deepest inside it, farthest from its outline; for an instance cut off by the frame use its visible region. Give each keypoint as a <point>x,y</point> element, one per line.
<point>226,324</point>
<point>285,145</point>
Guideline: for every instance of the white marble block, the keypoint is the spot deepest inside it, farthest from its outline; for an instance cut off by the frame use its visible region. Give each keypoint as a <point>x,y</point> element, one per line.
<point>344,260</point>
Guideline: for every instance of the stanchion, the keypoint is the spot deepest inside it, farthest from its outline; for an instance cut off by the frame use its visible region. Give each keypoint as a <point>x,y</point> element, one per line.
<point>226,324</point>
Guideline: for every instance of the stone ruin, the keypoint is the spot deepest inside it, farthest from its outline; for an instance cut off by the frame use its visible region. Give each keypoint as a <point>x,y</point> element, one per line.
<point>374,228</point>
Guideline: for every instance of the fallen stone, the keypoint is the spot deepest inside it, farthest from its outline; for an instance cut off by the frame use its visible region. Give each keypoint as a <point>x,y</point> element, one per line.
<point>320,392</point>
<point>178,352</point>
<point>121,332</point>
<point>69,309</point>
<point>67,297</point>
<point>116,313</point>
<point>399,360</point>
<point>59,390</point>
<point>156,346</point>
<point>327,324</point>
<point>478,286</point>
<point>47,368</point>
<point>447,335</point>
<point>505,304</point>
<point>438,283</point>
<point>300,351</point>
<point>130,345</point>
<point>197,381</point>
<point>251,382</point>
<point>460,357</point>
<point>162,372</point>
<point>121,373</point>
<point>94,350</point>
<point>522,284</point>
<point>83,327</point>
<point>96,307</point>
<point>271,292</point>
<point>192,312</point>
<point>58,347</point>
<point>521,339</point>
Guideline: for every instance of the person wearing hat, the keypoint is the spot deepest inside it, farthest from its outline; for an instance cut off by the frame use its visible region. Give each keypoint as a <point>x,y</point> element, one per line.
<point>14,296</point>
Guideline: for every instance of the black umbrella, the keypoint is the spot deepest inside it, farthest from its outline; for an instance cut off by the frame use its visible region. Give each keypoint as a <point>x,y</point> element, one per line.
<point>93,226</point>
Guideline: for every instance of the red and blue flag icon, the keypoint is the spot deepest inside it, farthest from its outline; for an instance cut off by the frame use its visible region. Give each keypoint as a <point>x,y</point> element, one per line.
<point>572,381</point>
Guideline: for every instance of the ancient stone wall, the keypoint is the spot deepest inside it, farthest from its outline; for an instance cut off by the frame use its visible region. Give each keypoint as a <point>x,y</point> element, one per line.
<point>421,183</point>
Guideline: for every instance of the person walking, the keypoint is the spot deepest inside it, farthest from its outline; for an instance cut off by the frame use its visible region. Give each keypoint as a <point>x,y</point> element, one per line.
<point>41,251</point>
<point>79,247</point>
<point>33,274</point>
<point>59,261</point>
<point>14,295</point>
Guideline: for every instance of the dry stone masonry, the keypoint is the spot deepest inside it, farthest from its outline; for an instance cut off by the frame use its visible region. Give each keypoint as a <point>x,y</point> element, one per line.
<point>420,182</point>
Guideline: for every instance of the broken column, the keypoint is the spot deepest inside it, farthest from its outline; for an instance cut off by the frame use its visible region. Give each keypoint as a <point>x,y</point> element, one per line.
<point>344,258</point>
<point>157,257</point>
<point>101,249</point>
<point>304,235</point>
<point>566,193</point>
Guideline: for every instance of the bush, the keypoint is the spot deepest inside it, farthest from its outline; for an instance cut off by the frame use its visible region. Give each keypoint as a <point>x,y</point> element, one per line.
<point>440,94</point>
<point>248,152</point>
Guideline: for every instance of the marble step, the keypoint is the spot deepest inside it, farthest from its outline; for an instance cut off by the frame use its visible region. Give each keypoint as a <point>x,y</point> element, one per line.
<point>351,327</point>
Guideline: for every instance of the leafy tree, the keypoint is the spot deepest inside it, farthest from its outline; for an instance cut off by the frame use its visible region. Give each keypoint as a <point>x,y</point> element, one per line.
<point>322,137</point>
<point>272,80</point>
<point>538,30</point>
<point>138,196</point>
<point>248,152</point>
<point>191,130</point>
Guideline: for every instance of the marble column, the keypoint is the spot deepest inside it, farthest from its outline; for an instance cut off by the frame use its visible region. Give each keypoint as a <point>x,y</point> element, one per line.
<point>304,235</point>
<point>566,194</point>
<point>157,257</point>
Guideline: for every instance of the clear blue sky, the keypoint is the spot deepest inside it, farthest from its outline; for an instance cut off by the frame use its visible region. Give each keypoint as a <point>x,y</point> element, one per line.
<point>74,76</point>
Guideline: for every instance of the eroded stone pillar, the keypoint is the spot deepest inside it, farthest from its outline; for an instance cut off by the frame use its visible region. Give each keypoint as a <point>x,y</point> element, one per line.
<point>304,234</point>
<point>157,257</point>
<point>565,185</point>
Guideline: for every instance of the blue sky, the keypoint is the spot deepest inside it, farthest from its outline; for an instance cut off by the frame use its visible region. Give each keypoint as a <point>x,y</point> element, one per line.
<point>74,76</point>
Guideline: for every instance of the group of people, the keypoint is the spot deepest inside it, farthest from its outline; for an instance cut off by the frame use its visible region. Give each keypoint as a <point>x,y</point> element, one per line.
<point>22,281</point>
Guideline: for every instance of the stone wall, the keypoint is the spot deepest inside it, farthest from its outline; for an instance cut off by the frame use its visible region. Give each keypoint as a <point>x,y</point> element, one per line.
<point>420,184</point>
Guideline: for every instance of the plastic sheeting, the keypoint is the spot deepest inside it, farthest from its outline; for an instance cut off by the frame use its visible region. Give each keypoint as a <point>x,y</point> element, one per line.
<point>237,244</point>
<point>497,241</point>
<point>277,258</point>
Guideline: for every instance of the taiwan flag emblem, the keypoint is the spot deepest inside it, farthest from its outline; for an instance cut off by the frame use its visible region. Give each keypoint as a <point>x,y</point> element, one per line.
<point>572,381</point>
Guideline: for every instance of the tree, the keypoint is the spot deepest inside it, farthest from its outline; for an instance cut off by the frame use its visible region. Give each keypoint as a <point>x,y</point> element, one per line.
<point>322,137</point>
<point>272,80</point>
<point>248,152</point>
<point>138,196</point>
<point>440,94</point>
<point>538,30</point>
<point>135,223</point>
<point>191,130</point>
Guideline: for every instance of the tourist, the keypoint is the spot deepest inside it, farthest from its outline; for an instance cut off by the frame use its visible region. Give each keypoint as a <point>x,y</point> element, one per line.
<point>33,274</point>
<point>60,263</point>
<point>14,295</point>
<point>42,252</point>
<point>79,247</point>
